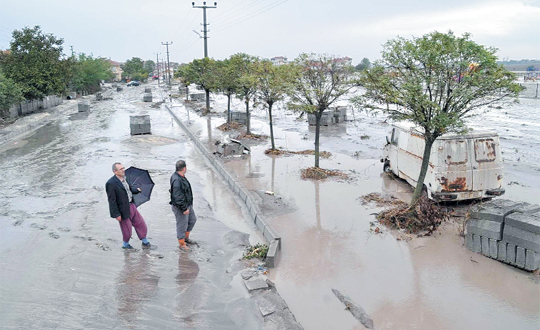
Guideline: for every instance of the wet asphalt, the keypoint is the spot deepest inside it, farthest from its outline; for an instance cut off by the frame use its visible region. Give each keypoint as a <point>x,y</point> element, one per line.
<point>61,262</point>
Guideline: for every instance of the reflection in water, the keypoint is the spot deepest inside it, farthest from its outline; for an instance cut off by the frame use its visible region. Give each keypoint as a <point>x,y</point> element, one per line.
<point>136,284</point>
<point>317,205</point>
<point>273,171</point>
<point>187,271</point>
<point>209,127</point>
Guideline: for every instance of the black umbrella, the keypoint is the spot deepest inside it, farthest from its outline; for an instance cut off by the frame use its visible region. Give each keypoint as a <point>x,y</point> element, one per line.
<point>139,178</point>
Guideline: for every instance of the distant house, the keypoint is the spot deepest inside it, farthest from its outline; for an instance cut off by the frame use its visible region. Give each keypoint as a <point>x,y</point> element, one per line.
<point>279,60</point>
<point>343,60</point>
<point>116,70</point>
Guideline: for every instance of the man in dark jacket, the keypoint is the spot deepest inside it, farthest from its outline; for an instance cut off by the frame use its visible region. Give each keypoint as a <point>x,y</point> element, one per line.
<point>182,205</point>
<point>120,196</point>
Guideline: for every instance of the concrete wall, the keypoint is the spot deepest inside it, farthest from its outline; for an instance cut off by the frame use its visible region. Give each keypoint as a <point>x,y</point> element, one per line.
<point>506,231</point>
<point>31,106</point>
<point>273,239</point>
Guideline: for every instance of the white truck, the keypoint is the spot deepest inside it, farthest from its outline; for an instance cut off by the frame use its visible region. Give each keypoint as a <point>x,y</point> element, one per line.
<point>460,167</point>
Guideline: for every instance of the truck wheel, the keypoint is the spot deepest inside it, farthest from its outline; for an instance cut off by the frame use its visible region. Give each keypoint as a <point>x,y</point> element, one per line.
<point>386,168</point>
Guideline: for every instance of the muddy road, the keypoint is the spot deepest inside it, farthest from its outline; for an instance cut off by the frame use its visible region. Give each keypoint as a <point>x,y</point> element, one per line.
<point>328,242</point>
<point>61,262</point>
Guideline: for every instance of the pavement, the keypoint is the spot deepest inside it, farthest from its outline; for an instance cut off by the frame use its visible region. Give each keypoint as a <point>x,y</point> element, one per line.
<point>62,266</point>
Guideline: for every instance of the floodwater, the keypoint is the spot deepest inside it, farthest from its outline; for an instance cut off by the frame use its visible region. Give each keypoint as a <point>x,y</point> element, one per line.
<point>423,283</point>
<point>61,262</point>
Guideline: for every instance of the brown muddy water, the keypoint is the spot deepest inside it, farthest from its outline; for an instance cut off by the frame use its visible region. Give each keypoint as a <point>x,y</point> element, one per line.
<point>425,283</point>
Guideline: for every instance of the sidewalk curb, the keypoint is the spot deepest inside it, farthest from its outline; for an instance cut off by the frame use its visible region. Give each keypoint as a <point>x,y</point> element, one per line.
<point>274,240</point>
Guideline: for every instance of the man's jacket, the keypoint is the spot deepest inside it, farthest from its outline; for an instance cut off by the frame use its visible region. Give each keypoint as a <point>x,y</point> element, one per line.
<point>118,197</point>
<point>181,195</point>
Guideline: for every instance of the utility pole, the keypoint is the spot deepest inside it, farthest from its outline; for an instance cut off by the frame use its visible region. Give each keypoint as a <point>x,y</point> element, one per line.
<point>205,30</point>
<point>168,63</point>
<point>157,66</point>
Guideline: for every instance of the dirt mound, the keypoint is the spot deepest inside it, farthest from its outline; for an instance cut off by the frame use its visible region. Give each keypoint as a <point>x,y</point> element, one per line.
<point>281,152</point>
<point>229,126</point>
<point>318,173</point>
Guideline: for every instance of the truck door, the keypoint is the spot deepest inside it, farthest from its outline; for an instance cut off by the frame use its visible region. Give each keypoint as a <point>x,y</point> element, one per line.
<point>457,173</point>
<point>487,169</point>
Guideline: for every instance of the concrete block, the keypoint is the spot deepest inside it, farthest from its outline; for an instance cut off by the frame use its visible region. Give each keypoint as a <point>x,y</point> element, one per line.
<point>147,97</point>
<point>99,97</point>
<point>529,221</point>
<point>494,210</point>
<point>502,251</point>
<point>119,89</point>
<point>243,195</point>
<point>523,238</point>
<point>140,124</point>
<point>532,260</point>
<point>469,241</point>
<point>84,106</point>
<point>477,244</point>
<point>485,228</point>
<point>256,283</point>
<point>520,257</point>
<point>485,246</point>
<point>259,222</point>
<point>253,211</point>
<point>270,233</point>
<point>148,90</point>
<point>493,248</point>
<point>273,251</point>
<point>239,117</point>
<point>511,253</point>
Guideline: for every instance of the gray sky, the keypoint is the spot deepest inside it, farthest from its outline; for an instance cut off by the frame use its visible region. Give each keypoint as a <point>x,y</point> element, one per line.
<point>121,29</point>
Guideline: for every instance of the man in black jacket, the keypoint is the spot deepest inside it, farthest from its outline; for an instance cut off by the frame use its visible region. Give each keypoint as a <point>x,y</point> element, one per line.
<point>182,204</point>
<point>120,196</point>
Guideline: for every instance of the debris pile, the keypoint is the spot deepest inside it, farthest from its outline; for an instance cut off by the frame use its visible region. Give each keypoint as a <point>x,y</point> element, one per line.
<point>318,173</point>
<point>425,215</point>
<point>251,136</point>
<point>380,200</point>
<point>229,126</point>
<point>281,152</point>
<point>256,251</point>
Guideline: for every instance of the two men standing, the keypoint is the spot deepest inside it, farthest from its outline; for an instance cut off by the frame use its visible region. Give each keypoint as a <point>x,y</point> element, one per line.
<point>121,206</point>
<point>120,196</point>
<point>182,205</point>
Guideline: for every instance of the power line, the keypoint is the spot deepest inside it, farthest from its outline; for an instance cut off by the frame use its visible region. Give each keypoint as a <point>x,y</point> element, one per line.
<point>241,20</point>
<point>231,12</point>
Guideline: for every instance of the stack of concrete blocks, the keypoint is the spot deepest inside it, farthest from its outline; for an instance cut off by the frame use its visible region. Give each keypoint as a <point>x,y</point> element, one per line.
<point>84,106</point>
<point>140,125</point>
<point>99,97</point>
<point>506,231</point>
<point>148,90</point>
<point>119,89</point>
<point>147,97</point>
<point>340,114</point>
<point>197,97</point>
<point>327,118</point>
<point>239,117</point>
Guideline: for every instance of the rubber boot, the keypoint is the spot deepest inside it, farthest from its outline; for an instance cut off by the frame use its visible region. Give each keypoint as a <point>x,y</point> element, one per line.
<point>188,241</point>
<point>182,243</point>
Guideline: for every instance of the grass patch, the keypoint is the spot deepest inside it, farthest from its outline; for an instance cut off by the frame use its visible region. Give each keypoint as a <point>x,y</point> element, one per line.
<point>256,251</point>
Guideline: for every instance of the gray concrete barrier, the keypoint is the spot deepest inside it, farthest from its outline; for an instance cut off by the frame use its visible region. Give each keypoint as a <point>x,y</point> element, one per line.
<point>84,106</point>
<point>506,231</point>
<point>147,97</point>
<point>271,236</point>
<point>148,90</point>
<point>140,125</point>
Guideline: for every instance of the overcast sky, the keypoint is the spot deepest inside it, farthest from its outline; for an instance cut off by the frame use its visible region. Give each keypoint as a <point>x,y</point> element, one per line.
<point>122,29</point>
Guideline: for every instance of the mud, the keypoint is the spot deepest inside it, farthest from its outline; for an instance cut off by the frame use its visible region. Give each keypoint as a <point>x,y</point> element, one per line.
<point>62,266</point>
<point>419,283</point>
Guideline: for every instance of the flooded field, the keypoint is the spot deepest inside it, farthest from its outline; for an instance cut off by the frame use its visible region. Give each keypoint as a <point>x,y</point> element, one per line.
<point>423,283</point>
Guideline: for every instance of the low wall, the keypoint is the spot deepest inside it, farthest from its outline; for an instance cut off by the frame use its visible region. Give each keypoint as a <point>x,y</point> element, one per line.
<point>273,239</point>
<point>506,231</point>
<point>31,106</point>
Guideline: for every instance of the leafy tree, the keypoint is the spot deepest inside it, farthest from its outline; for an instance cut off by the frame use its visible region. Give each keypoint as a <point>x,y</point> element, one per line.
<point>182,74</point>
<point>35,63</point>
<point>436,81</point>
<point>149,66</point>
<point>10,93</point>
<point>364,64</point>
<point>204,73</point>
<point>89,72</point>
<point>134,69</point>
<point>227,82</point>
<point>321,82</point>
<point>274,82</point>
<point>247,83</point>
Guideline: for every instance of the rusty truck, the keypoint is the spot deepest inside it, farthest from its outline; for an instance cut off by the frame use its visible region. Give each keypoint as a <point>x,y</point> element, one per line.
<point>461,166</point>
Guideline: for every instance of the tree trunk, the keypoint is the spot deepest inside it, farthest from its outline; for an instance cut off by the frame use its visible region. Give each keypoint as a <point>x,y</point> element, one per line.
<point>207,92</point>
<point>271,126</point>
<point>423,171</point>
<point>317,131</point>
<point>248,119</point>
<point>229,116</point>
<point>187,92</point>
